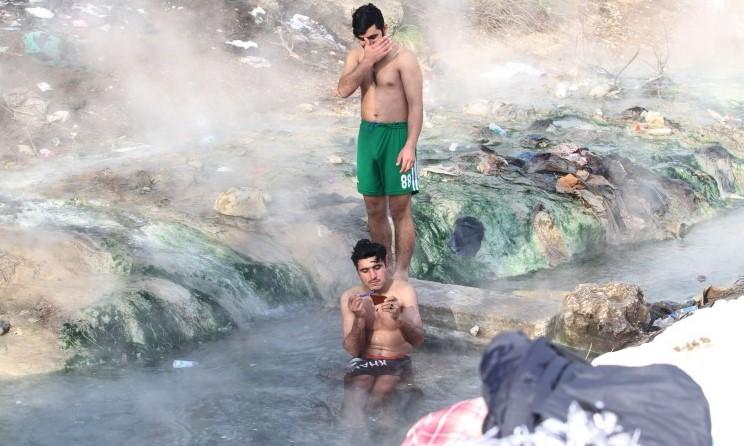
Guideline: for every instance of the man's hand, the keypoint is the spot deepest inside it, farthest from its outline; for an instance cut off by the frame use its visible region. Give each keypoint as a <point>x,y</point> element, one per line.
<point>375,51</point>
<point>356,306</point>
<point>406,158</point>
<point>392,306</point>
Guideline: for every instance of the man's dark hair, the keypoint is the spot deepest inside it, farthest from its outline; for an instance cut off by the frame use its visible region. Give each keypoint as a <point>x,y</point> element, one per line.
<point>365,249</point>
<point>364,17</point>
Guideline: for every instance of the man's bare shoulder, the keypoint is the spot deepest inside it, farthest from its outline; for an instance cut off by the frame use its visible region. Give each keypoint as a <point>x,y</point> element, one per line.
<point>407,57</point>
<point>403,289</point>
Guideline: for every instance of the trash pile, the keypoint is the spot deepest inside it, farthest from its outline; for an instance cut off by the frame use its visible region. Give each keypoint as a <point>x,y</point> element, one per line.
<point>533,177</point>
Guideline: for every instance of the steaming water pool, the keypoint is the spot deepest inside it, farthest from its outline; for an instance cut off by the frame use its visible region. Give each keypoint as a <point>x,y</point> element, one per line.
<point>278,382</point>
<point>712,253</point>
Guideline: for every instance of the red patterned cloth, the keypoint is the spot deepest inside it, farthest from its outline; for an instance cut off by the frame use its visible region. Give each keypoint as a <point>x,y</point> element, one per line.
<point>459,422</point>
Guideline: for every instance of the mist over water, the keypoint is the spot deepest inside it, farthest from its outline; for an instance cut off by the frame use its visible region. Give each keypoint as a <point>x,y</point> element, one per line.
<point>279,383</point>
<point>164,94</point>
<point>675,270</point>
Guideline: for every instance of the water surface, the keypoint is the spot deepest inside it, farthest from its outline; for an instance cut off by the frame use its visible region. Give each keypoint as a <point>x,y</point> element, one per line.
<point>276,383</point>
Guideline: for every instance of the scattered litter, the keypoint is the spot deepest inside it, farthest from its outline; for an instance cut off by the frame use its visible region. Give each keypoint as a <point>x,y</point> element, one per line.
<point>46,153</point>
<point>43,86</point>
<point>224,169</point>
<point>600,91</point>
<point>674,316</point>
<point>43,44</point>
<point>306,107</point>
<point>4,327</point>
<point>3,49</point>
<point>141,11</point>
<point>335,159</point>
<point>25,149</point>
<point>475,330</point>
<point>441,170</point>
<point>299,21</point>
<point>256,62</point>
<point>41,13</point>
<point>653,118</point>
<point>60,115</point>
<point>79,23</point>
<point>312,30</point>
<point>89,9</point>
<point>243,44</point>
<point>105,28</point>
<point>453,147</point>
<point>181,364</point>
<point>496,129</point>
<point>27,107</point>
<point>258,13</point>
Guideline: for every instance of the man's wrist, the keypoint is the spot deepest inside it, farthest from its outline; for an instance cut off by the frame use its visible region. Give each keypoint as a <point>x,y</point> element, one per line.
<point>366,62</point>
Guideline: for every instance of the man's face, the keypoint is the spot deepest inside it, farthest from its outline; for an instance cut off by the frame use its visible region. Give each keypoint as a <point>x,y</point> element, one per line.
<point>372,273</point>
<point>372,34</point>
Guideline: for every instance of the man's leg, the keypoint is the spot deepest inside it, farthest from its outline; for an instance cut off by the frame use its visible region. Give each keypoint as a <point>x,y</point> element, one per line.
<point>384,385</point>
<point>379,226</point>
<point>356,394</point>
<point>405,234</point>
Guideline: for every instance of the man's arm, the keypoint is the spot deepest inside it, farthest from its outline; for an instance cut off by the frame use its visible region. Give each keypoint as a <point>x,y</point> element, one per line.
<point>405,310</point>
<point>410,74</point>
<point>353,74</point>
<point>354,324</point>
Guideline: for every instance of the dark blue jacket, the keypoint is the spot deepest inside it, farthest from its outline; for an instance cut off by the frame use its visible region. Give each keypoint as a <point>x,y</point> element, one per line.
<point>526,382</point>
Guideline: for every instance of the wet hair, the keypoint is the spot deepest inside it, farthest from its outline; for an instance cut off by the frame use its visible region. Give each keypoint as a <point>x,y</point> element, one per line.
<point>365,249</point>
<point>364,17</point>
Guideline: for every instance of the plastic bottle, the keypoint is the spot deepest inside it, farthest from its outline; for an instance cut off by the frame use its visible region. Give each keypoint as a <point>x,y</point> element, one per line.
<point>181,364</point>
<point>496,129</point>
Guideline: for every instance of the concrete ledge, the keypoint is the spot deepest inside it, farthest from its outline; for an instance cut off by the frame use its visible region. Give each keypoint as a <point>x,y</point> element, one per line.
<point>456,309</point>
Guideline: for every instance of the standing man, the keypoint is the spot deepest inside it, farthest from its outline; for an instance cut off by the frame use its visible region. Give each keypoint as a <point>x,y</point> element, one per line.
<point>392,113</point>
<point>379,336</point>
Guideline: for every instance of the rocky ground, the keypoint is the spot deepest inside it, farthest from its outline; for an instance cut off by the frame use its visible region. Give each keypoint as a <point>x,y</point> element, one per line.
<point>217,118</point>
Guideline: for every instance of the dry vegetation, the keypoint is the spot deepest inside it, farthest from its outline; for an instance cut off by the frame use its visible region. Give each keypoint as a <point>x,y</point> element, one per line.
<point>510,16</point>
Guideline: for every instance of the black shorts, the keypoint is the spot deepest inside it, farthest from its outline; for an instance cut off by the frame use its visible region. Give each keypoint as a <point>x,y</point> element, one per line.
<point>400,367</point>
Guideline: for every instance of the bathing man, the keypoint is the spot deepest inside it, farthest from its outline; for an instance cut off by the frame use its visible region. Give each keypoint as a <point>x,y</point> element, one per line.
<point>378,337</point>
<point>392,113</point>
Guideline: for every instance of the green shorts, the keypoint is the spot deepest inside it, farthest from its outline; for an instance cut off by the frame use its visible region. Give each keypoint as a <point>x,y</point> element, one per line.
<point>378,146</point>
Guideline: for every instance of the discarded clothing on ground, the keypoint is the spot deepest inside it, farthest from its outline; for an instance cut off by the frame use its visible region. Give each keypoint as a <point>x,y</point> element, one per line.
<point>583,427</point>
<point>467,236</point>
<point>527,382</point>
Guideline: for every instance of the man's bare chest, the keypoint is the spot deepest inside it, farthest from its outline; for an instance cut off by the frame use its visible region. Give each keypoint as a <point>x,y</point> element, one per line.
<point>386,77</point>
